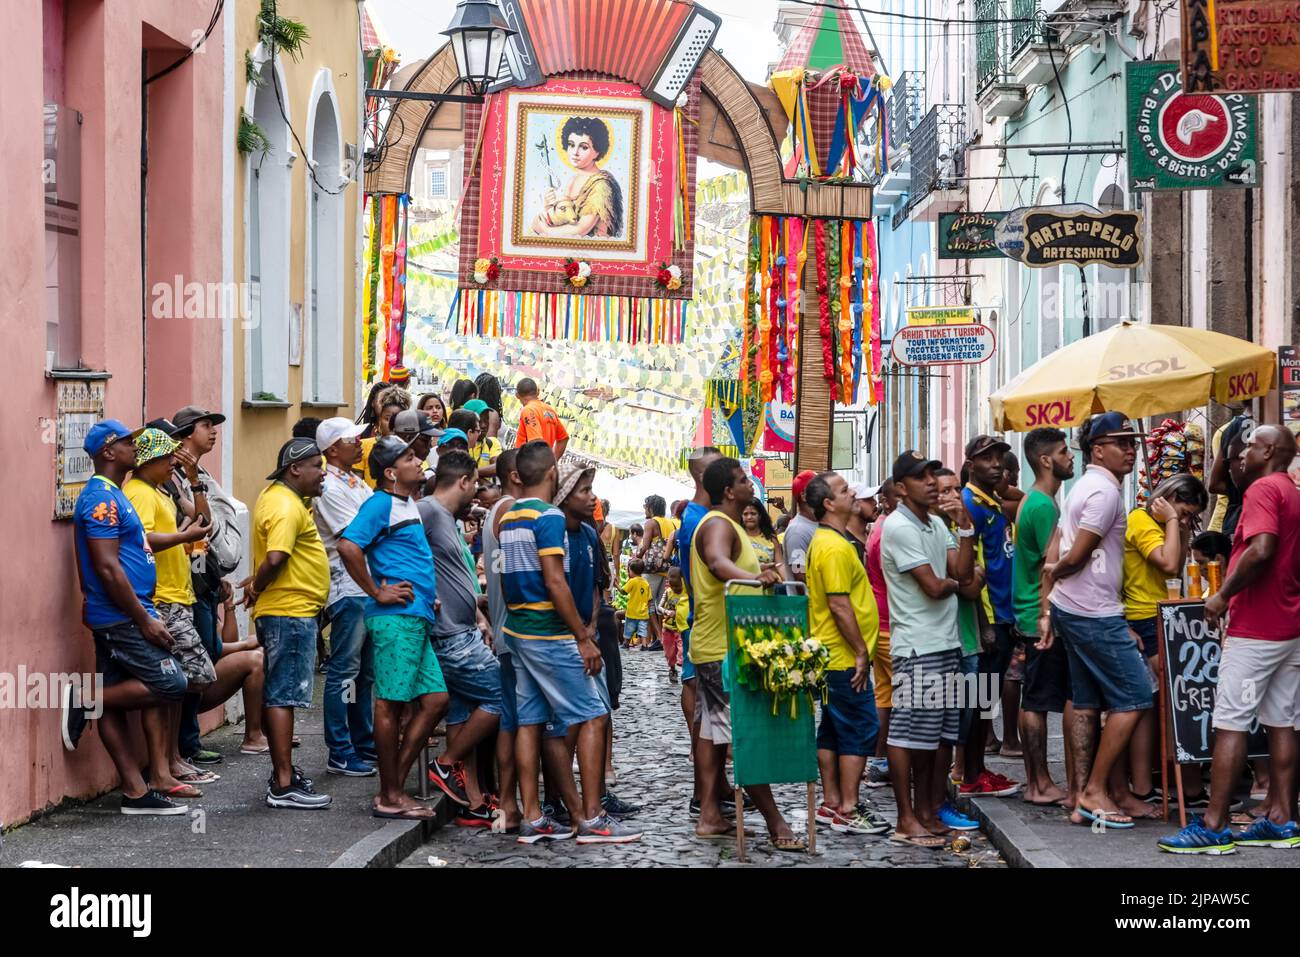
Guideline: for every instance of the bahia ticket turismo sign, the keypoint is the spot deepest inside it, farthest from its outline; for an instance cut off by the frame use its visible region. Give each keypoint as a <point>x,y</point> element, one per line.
<point>940,345</point>
<point>1179,140</point>
<point>1054,238</point>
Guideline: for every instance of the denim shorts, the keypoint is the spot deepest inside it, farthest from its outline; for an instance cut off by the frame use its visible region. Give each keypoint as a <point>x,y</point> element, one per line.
<point>509,711</point>
<point>472,674</point>
<point>1146,630</point>
<point>688,666</point>
<point>635,627</point>
<point>849,722</point>
<point>290,648</point>
<point>551,686</point>
<point>122,653</point>
<point>1107,672</point>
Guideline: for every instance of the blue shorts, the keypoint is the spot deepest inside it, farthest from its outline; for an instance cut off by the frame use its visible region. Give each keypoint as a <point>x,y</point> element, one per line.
<point>472,674</point>
<point>290,648</point>
<point>551,685</point>
<point>688,666</point>
<point>1146,630</point>
<point>509,713</point>
<point>849,721</point>
<point>1107,672</point>
<point>122,653</point>
<point>635,626</point>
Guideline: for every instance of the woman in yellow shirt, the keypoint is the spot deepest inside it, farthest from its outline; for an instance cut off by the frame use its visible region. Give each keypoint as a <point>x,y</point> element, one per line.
<point>388,403</point>
<point>1155,545</point>
<point>762,535</point>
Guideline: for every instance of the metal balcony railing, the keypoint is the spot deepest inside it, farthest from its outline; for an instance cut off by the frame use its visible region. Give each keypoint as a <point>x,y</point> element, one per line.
<point>938,150</point>
<point>906,106</point>
<point>1025,33</point>
<point>997,44</point>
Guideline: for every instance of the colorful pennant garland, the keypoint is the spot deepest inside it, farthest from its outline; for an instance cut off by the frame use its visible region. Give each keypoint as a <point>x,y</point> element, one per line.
<point>535,315</point>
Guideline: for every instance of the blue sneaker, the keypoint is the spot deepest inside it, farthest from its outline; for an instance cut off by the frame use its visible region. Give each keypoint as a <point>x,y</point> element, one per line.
<point>1264,833</point>
<point>351,766</point>
<point>953,819</point>
<point>1196,838</point>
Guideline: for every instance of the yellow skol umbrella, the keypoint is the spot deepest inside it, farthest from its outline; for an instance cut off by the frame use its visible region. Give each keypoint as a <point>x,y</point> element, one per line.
<point>1136,369</point>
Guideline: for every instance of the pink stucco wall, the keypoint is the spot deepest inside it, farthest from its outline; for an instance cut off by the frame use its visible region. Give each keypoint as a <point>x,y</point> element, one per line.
<point>97,67</point>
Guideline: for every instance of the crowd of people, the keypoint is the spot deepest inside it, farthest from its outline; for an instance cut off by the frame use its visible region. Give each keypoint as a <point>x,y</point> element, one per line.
<point>463,583</point>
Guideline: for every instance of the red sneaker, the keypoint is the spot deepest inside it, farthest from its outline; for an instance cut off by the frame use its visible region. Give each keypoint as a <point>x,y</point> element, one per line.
<point>1004,782</point>
<point>986,786</point>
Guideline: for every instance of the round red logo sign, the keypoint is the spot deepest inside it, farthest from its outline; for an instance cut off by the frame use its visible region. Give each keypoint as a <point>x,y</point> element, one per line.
<point>1195,127</point>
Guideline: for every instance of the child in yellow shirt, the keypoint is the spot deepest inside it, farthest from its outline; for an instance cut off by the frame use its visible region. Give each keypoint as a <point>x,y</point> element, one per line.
<point>636,618</point>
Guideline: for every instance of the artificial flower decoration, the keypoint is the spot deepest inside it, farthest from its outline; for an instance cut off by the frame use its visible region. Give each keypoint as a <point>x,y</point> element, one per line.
<point>486,270</point>
<point>670,276</point>
<point>578,272</point>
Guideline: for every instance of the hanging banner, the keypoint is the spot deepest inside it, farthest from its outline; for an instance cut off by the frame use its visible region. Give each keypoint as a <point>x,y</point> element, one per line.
<point>969,235</point>
<point>1054,238</point>
<point>1243,46</point>
<point>1187,141</point>
<point>942,315</point>
<point>1288,387</point>
<point>944,345</point>
<point>778,426</point>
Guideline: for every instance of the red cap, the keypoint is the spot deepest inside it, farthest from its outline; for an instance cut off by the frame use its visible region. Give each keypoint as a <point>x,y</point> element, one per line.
<point>801,482</point>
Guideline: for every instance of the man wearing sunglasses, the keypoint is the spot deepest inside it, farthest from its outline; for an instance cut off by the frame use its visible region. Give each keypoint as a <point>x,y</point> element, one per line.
<point>1107,672</point>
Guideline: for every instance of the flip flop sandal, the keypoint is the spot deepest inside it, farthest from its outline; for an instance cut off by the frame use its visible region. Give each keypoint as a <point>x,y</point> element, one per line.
<point>265,750</point>
<point>723,835</point>
<point>789,844</point>
<point>406,814</point>
<point>297,742</point>
<point>1103,818</point>
<point>198,777</point>
<point>1242,819</point>
<point>931,842</point>
<point>178,791</point>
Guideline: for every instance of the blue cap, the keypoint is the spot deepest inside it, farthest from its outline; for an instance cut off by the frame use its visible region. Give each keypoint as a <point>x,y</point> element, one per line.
<point>450,434</point>
<point>105,433</point>
<point>1108,425</point>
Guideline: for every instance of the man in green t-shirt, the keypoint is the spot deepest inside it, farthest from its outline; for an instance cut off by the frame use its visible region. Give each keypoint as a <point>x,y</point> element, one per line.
<point>1047,673</point>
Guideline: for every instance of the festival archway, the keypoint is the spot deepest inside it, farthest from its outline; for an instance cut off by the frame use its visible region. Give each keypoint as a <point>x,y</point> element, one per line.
<point>737,124</point>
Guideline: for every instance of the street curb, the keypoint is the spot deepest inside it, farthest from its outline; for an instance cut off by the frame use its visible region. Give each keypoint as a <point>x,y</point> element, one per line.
<point>395,841</point>
<point>1018,843</point>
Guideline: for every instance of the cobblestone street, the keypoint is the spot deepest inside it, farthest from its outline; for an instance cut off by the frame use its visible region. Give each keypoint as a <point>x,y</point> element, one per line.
<point>650,755</point>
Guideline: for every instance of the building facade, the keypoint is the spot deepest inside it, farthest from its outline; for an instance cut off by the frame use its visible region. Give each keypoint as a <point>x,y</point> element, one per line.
<point>295,209</point>
<point>92,237</point>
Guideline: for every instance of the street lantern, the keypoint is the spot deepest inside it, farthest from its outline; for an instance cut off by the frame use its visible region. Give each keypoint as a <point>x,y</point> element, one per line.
<point>478,35</point>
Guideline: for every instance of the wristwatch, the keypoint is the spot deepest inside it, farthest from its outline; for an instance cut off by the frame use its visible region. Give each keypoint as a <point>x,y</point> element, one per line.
<point>199,488</point>
<point>965,533</point>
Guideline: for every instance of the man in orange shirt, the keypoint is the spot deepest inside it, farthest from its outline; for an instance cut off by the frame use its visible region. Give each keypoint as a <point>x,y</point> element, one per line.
<point>539,420</point>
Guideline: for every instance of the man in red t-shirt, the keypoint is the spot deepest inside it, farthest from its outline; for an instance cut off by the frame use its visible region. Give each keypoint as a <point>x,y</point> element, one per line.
<point>539,420</point>
<point>1259,672</point>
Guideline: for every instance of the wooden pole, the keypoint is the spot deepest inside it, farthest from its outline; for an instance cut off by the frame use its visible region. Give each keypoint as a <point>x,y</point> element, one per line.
<point>1164,730</point>
<point>740,824</point>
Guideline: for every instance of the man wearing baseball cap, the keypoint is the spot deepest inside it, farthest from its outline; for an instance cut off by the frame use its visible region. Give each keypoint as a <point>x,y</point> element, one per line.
<point>416,428</point>
<point>996,539</point>
<point>1107,672</point>
<point>286,592</point>
<point>924,568</point>
<point>132,646</point>
<point>174,593</point>
<point>799,533</point>
<point>488,447</point>
<point>349,674</point>
<point>195,428</point>
<point>385,551</point>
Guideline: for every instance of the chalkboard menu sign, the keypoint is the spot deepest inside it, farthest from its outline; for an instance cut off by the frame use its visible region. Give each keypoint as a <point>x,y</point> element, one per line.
<point>1192,651</point>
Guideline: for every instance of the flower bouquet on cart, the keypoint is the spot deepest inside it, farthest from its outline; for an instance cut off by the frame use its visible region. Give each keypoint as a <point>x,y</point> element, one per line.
<point>776,656</point>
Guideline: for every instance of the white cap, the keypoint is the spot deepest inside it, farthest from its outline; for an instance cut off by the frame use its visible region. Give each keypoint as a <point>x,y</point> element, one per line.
<point>331,430</point>
<point>863,490</point>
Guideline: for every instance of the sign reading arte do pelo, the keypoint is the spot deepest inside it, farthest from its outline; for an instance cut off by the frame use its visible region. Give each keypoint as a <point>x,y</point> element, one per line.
<point>1241,46</point>
<point>1053,238</point>
<point>1179,140</point>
